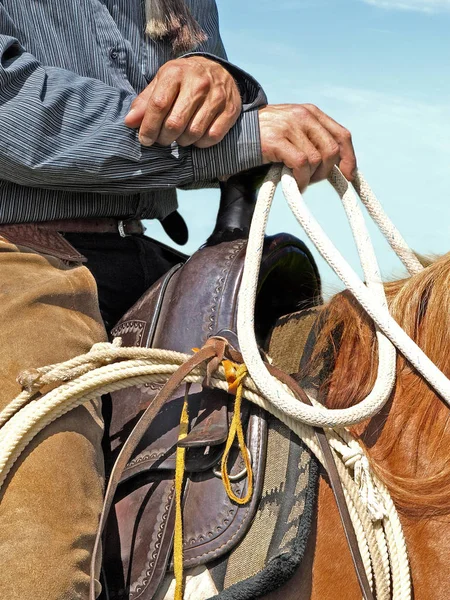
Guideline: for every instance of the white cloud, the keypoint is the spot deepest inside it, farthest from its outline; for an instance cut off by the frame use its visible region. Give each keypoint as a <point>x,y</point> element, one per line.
<point>426,6</point>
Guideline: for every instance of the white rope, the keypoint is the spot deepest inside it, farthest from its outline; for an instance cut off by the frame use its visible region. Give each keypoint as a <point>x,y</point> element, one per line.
<point>320,416</point>
<point>386,226</point>
<point>372,298</point>
<point>116,370</point>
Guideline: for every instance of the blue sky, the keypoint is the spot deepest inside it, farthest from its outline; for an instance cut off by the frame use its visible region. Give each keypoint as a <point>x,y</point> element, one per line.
<point>381,68</point>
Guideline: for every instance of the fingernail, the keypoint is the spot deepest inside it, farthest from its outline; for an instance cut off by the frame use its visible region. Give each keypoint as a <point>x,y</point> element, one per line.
<point>145,141</point>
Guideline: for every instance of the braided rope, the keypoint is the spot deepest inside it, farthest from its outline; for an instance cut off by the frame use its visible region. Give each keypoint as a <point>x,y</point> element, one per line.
<point>321,416</point>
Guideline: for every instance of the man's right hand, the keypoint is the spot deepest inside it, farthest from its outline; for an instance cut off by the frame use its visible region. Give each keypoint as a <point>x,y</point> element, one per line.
<point>307,141</point>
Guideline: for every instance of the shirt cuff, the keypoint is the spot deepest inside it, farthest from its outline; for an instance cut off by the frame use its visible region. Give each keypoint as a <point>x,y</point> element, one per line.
<point>252,94</point>
<point>240,150</point>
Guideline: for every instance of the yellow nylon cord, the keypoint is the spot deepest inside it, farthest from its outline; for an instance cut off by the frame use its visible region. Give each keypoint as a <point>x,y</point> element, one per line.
<point>235,378</point>
<point>179,478</point>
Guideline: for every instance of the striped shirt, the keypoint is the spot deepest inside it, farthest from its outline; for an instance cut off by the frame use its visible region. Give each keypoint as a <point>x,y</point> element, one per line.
<point>69,70</point>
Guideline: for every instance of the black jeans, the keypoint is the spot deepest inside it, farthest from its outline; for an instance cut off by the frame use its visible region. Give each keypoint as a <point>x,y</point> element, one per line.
<point>123,267</point>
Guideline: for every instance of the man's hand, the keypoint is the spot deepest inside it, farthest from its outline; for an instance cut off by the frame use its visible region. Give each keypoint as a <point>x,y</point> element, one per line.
<point>191,100</point>
<point>307,141</point>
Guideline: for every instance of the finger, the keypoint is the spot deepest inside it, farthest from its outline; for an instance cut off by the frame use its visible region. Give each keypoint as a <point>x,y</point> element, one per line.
<point>348,163</point>
<point>326,145</point>
<point>304,146</point>
<point>288,153</point>
<point>161,100</point>
<point>219,127</point>
<point>137,109</point>
<point>179,117</point>
<point>199,124</point>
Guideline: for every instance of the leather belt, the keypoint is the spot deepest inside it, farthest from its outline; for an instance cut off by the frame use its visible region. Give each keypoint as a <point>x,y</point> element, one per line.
<point>103,225</point>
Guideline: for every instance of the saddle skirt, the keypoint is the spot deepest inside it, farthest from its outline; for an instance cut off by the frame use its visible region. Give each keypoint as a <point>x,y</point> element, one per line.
<point>192,302</point>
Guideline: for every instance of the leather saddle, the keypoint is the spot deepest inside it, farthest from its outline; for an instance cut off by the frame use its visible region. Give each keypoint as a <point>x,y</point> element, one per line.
<point>192,302</point>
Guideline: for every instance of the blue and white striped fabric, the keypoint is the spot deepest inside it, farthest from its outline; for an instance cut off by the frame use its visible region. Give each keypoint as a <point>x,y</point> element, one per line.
<point>69,70</point>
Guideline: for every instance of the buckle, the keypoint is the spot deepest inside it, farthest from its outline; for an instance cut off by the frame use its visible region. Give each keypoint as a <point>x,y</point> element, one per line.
<point>121,228</point>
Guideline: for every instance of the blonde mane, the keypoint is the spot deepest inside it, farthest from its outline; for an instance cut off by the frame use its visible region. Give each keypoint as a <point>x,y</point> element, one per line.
<point>409,442</point>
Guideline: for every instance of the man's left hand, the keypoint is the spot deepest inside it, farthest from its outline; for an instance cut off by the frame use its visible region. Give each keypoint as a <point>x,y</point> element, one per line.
<point>191,100</point>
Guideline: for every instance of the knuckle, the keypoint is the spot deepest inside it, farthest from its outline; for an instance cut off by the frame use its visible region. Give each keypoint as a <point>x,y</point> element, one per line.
<point>311,107</point>
<point>315,159</point>
<point>346,135</point>
<point>301,161</point>
<point>174,123</point>
<point>233,110</point>
<point>203,85</point>
<point>173,68</point>
<point>302,112</point>
<point>215,135</point>
<point>158,103</point>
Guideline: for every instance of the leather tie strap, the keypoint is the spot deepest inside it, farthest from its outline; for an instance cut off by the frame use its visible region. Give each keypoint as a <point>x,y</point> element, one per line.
<point>212,348</point>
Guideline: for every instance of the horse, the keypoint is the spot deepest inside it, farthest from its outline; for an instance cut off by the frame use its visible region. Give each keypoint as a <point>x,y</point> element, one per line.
<point>406,443</point>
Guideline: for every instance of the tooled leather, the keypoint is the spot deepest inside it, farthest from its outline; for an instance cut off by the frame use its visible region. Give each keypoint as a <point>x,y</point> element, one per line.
<point>158,447</point>
<point>156,545</point>
<point>131,332</point>
<point>205,540</point>
<point>192,302</point>
<point>210,325</point>
<point>146,534</point>
<point>41,240</point>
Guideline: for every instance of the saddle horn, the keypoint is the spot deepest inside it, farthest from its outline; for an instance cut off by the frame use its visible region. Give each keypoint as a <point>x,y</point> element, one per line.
<point>237,204</point>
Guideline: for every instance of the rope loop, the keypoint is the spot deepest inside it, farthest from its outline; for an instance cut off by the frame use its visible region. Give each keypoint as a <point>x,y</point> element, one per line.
<point>235,378</point>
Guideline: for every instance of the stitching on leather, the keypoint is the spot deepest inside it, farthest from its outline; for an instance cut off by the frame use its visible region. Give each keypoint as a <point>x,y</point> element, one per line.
<point>243,521</point>
<point>41,241</point>
<point>211,314</point>
<point>145,458</point>
<point>149,568</point>
<point>133,326</point>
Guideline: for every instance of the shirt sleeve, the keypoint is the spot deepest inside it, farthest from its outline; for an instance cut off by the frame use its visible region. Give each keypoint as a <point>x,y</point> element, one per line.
<point>66,132</point>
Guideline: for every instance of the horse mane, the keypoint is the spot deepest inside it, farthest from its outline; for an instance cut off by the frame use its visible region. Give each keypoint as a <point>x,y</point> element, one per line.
<point>409,440</point>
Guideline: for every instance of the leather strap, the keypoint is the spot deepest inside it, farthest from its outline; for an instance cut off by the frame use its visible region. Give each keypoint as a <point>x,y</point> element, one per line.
<point>101,225</point>
<point>213,347</point>
<point>336,486</point>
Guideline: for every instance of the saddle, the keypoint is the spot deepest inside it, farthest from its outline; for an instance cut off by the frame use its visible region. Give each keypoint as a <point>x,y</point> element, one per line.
<point>191,303</point>
<point>194,301</point>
